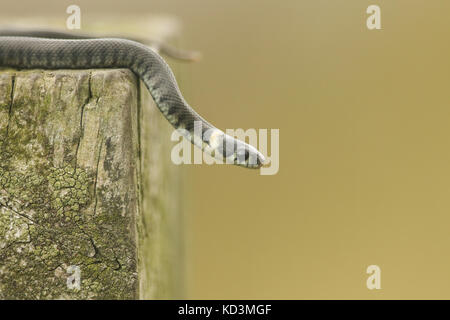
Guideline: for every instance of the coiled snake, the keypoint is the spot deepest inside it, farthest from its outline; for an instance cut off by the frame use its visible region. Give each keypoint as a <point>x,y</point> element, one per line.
<point>29,50</point>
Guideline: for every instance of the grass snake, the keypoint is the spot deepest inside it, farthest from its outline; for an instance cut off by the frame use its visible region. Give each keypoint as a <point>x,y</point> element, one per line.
<point>57,50</point>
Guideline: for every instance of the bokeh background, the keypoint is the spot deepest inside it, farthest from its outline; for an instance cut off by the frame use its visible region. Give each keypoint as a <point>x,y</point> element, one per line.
<point>364,144</point>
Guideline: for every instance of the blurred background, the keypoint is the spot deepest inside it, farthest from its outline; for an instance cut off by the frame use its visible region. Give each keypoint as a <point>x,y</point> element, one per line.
<point>364,144</point>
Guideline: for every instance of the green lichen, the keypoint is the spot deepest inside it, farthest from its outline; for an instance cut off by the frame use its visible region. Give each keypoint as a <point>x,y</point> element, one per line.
<point>52,215</point>
<point>44,229</point>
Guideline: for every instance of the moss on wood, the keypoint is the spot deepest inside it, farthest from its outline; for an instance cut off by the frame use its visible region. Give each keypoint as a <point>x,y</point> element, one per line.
<point>77,190</point>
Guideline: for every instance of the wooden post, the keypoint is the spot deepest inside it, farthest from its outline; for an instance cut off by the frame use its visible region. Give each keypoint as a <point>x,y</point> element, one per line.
<point>88,195</point>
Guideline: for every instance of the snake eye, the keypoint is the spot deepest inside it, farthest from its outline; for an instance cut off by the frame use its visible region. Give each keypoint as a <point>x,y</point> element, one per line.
<point>242,155</point>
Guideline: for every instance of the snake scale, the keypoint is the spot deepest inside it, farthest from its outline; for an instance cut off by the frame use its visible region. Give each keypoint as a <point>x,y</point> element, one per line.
<point>30,50</point>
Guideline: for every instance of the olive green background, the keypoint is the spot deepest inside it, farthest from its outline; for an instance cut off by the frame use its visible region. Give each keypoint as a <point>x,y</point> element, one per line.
<point>364,119</point>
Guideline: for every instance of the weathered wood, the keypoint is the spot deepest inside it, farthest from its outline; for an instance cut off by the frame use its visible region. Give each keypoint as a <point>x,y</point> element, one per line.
<point>85,182</point>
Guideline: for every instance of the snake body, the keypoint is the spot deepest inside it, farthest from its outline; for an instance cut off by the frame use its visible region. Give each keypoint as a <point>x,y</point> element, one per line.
<point>22,51</point>
<point>160,46</point>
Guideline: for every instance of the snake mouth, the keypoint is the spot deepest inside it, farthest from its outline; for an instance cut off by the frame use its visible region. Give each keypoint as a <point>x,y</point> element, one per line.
<point>263,161</point>
<point>266,163</point>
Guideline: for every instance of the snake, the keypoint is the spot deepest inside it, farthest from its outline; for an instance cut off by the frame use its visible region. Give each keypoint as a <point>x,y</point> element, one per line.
<point>30,49</point>
<point>159,46</point>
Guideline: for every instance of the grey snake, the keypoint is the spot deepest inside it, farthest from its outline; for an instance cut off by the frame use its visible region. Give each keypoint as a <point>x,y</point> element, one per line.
<point>46,50</point>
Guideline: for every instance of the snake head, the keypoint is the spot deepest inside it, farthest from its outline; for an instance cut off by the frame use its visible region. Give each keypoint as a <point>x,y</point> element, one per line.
<point>247,156</point>
<point>235,151</point>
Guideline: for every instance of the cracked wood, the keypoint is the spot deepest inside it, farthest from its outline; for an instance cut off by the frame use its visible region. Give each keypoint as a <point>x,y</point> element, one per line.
<point>86,180</point>
<point>68,183</point>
